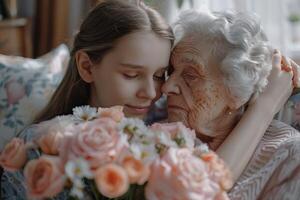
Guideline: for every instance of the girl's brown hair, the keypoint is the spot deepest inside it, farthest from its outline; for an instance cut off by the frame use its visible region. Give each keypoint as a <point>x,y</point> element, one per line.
<point>106,23</point>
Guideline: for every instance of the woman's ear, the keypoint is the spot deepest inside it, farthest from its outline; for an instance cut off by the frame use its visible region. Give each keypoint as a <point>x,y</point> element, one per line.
<point>234,103</point>
<point>84,65</point>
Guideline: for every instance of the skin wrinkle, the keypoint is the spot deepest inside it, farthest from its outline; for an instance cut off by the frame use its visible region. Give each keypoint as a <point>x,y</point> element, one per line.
<point>185,48</point>
<point>203,104</point>
<point>200,92</point>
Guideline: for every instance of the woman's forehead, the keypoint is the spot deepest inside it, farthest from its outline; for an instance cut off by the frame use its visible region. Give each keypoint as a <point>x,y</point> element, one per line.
<point>189,58</point>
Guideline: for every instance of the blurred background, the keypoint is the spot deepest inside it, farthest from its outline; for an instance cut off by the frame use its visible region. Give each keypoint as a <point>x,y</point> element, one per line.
<point>32,28</point>
<point>280,18</point>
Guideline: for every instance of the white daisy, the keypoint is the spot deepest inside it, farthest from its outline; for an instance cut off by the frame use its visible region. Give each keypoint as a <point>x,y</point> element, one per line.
<point>146,153</point>
<point>185,138</point>
<point>132,127</point>
<point>77,192</point>
<point>201,149</point>
<point>65,120</point>
<point>84,113</point>
<point>77,169</point>
<point>165,139</point>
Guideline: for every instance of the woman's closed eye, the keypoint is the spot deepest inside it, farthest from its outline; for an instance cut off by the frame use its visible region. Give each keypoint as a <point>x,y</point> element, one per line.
<point>136,75</point>
<point>130,75</point>
<point>190,76</point>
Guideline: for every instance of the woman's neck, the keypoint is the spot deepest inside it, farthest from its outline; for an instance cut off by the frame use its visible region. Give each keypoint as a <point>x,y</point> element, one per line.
<point>221,127</point>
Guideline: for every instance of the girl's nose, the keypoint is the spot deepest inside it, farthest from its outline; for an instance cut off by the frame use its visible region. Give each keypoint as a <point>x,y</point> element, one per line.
<point>171,87</point>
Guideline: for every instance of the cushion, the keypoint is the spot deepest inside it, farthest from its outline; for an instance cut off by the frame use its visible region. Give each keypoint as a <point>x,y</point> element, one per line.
<point>26,86</point>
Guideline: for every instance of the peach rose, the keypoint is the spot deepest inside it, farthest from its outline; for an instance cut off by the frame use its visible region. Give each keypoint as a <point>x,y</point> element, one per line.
<point>180,175</point>
<point>112,180</point>
<point>136,170</point>
<point>50,142</point>
<point>218,170</point>
<point>97,141</point>
<point>51,133</point>
<point>13,156</point>
<point>44,177</point>
<point>14,91</point>
<point>115,113</point>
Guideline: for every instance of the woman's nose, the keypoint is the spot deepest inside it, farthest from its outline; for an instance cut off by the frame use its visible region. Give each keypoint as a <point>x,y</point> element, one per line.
<point>170,87</point>
<point>148,90</point>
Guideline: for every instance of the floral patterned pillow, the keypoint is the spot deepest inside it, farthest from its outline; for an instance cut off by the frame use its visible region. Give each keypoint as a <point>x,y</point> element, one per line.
<point>25,88</point>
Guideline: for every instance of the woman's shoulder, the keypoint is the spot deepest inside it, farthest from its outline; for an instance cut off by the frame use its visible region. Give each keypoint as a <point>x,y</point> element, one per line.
<point>280,132</point>
<point>274,155</point>
<point>276,136</point>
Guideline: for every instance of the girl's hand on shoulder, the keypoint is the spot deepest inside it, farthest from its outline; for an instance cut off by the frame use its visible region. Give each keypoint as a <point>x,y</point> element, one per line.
<point>281,81</point>
<point>289,65</point>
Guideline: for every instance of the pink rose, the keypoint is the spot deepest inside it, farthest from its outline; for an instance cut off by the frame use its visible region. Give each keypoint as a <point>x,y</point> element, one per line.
<point>183,136</point>
<point>14,91</point>
<point>115,113</point>
<point>218,170</point>
<point>180,175</point>
<point>111,180</point>
<point>44,177</point>
<point>13,156</point>
<point>97,141</point>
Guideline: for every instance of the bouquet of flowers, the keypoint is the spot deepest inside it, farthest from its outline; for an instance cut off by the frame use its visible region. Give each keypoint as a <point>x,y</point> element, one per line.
<point>101,154</point>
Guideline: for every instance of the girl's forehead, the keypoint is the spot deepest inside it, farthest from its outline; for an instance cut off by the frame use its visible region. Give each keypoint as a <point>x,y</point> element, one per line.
<point>143,49</point>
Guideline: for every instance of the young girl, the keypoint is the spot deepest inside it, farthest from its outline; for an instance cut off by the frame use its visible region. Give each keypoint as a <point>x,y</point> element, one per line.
<point>119,57</point>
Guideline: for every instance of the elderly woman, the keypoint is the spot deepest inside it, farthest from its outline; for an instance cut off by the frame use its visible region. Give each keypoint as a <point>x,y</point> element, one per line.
<point>219,66</point>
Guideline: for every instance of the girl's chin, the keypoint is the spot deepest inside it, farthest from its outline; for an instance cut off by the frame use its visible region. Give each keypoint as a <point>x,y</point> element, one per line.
<point>139,116</point>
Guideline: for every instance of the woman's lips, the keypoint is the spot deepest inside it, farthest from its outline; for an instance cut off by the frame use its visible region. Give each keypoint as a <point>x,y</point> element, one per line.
<point>138,109</point>
<point>172,106</point>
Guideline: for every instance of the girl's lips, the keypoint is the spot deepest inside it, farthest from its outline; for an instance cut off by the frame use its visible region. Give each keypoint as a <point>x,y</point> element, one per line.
<point>138,109</point>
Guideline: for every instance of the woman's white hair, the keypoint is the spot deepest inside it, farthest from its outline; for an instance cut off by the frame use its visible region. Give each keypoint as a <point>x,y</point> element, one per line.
<point>237,42</point>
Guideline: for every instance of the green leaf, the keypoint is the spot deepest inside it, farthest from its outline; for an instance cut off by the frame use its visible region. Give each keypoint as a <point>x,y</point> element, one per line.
<point>2,66</point>
<point>179,3</point>
<point>294,18</point>
<point>148,2</point>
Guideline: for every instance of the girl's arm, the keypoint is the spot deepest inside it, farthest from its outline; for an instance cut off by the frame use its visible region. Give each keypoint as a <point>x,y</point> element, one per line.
<point>240,144</point>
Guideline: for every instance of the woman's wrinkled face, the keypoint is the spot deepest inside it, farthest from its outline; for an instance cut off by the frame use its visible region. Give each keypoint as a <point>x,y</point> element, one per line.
<point>132,74</point>
<point>196,95</point>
